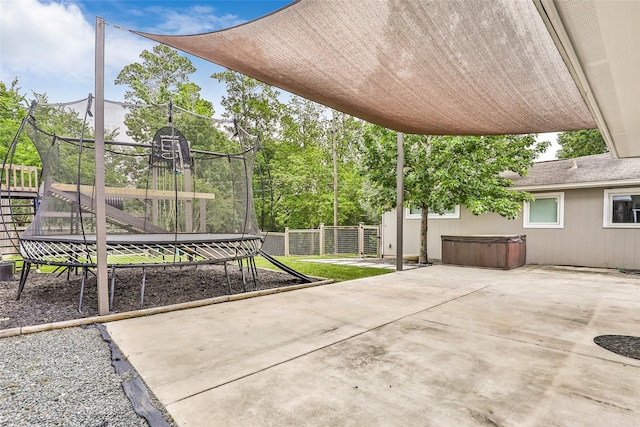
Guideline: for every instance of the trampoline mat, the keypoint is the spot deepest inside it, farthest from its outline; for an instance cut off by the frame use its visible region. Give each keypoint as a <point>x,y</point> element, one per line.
<point>139,249</point>
<point>144,238</point>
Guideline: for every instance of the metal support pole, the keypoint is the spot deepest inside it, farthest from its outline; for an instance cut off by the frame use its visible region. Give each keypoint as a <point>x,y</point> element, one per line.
<point>100,202</point>
<point>379,241</point>
<point>255,267</point>
<point>203,215</point>
<point>321,238</point>
<point>144,279</point>
<point>335,185</point>
<point>84,277</point>
<point>26,266</point>
<point>188,204</point>
<point>226,273</point>
<point>286,241</point>
<point>154,201</point>
<point>244,279</point>
<point>113,287</point>
<point>252,267</point>
<point>400,202</point>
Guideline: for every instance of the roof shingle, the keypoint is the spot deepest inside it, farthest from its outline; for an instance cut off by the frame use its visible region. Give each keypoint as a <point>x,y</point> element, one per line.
<point>587,169</point>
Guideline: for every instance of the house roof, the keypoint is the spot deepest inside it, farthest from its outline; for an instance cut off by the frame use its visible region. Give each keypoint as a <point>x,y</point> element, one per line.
<point>600,170</point>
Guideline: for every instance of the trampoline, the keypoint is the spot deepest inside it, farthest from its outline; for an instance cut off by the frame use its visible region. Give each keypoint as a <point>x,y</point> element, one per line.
<point>178,192</point>
<point>143,251</point>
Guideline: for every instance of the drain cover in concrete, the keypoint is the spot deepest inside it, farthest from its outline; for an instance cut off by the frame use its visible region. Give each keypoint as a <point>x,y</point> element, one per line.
<point>623,345</point>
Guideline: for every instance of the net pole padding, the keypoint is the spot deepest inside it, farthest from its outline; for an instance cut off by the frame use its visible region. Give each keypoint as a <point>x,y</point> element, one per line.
<point>100,200</point>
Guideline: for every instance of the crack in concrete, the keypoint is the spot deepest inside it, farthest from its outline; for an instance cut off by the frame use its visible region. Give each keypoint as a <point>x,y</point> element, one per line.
<point>326,346</point>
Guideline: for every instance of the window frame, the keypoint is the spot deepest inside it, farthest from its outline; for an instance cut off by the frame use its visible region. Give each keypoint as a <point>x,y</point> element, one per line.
<point>607,208</point>
<point>526,223</point>
<point>432,215</point>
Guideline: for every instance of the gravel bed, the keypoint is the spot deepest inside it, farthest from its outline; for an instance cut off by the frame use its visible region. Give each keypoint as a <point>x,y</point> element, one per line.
<point>61,378</point>
<point>65,377</point>
<point>51,297</point>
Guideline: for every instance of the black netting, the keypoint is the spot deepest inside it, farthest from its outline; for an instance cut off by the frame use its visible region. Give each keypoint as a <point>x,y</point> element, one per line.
<point>175,172</point>
<point>167,172</point>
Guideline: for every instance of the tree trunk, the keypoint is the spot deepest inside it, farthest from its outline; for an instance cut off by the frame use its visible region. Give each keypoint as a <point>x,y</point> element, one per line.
<point>424,228</point>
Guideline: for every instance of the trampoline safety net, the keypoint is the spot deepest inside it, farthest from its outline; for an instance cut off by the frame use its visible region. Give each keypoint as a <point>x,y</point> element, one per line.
<point>178,186</point>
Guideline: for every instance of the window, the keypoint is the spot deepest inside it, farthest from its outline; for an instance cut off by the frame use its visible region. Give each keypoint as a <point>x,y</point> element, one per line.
<point>416,213</point>
<point>545,211</point>
<point>622,208</point>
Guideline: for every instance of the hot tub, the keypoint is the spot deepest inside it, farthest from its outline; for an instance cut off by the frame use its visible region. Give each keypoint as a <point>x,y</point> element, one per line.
<point>481,250</point>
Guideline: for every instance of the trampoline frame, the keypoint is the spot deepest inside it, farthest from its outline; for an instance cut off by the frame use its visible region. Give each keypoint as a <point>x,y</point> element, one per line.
<point>138,251</point>
<point>148,245</point>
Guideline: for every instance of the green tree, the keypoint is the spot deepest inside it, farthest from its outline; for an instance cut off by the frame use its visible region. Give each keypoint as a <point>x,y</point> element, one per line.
<point>297,191</point>
<point>63,156</point>
<point>13,109</point>
<point>444,171</point>
<point>254,104</point>
<point>298,166</point>
<point>258,110</point>
<point>352,207</point>
<point>157,77</point>
<point>52,120</point>
<point>161,77</point>
<point>578,143</point>
<point>295,188</point>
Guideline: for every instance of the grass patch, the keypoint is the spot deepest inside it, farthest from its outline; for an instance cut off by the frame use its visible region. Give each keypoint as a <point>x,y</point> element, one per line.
<point>336,272</point>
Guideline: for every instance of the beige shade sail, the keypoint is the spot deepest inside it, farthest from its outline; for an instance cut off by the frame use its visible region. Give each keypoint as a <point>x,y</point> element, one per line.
<point>443,67</point>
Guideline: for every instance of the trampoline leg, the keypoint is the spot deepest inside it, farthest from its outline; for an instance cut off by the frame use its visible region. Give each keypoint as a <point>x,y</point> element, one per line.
<point>244,279</point>
<point>226,273</point>
<point>69,273</point>
<point>26,266</point>
<point>255,268</point>
<point>252,267</point>
<point>84,276</point>
<point>62,270</point>
<point>144,279</point>
<point>113,285</point>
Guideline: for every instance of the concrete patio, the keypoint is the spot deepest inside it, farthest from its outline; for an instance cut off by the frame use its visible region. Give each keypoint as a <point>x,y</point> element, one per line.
<point>436,346</point>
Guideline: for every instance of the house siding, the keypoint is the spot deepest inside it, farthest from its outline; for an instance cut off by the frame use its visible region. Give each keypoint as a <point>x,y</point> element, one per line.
<point>582,242</point>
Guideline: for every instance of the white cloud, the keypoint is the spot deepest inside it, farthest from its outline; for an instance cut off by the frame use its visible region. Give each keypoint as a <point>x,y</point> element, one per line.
<point>49,45</point>
<point>192,20</point>
<point>45,39</point>
<point>50,48</point>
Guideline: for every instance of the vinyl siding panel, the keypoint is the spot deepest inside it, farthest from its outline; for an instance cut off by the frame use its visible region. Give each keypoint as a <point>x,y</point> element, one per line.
<point>630,248</point>
<point>582,242</point>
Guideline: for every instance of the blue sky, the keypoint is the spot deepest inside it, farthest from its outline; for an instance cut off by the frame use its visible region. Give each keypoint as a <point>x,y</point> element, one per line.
<point>49,45</point>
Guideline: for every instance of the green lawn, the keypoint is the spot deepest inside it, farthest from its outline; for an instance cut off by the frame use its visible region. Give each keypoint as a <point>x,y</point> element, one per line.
<point>335,272</point>
<point>338,273</point>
